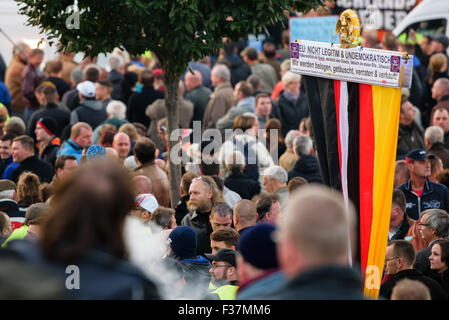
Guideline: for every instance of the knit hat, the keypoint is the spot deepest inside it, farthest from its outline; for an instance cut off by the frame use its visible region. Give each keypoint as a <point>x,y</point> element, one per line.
<point>95,151</point>
<point>183,242</point>
<point>257,246</point>
<point>49,125</point>
<point>86,88</point>
<point>226,255</point>
<point>147,201</point>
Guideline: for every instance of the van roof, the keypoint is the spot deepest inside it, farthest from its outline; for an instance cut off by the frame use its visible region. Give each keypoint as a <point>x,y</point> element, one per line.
<point>425,10</point>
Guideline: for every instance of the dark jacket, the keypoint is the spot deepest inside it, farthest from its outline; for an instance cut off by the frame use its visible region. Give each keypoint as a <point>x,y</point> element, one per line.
<point>138,103</point>
<point>199,96</point>
<point>61,86</point>
<point>102,276</point>
<point>239,69</point>
<point>49,152</point>
<point>291,114</point>
<point>51,110</point>
<point>440,150</point>
<point>3,164</point>
<point>44,170</point>
<point>442,279</point>
<point>181,209</point>
<point>409,138</point>
<point>323,283</point>
<point>308,168</point>
<point>197,276</point>
<point>436,291</point>
<point>435,196</point>
<point>89,111</point>
<point>422,262</point>
<point>201,225</point>
<point>31,79</point>
<point>238,182</point>
<point>71,99</point>
<point>402,229</point>
<point>115,77</point>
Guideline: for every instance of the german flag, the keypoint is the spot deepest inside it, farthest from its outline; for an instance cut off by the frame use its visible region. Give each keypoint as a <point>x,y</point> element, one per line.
<point>355,128</point>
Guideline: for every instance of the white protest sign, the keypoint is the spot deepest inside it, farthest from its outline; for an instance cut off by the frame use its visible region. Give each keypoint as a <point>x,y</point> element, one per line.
<point>362,65</point>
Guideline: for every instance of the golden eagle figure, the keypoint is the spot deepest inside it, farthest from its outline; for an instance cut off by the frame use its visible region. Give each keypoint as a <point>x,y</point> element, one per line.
<point>349,27</point>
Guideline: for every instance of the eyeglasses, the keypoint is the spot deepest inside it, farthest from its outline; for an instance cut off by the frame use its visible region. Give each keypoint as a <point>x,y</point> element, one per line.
<point>423,224</point>
<point>386,260</point>
<point>268,181</point>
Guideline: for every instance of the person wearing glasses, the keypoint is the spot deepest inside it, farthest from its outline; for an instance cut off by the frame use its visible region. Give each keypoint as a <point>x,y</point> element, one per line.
<point>434,225</point>
<point>399,259</point>
<point>224,275</point>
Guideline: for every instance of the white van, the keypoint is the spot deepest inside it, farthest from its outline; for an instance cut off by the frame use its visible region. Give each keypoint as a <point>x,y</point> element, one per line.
<point>429,17</point>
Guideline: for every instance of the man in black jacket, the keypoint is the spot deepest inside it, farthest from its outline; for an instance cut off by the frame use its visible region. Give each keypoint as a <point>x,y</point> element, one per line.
<point>23,153</point>
<point>420,192</point>
<point>399,259</point>
<point>399,221</point>
<point>90,110</point>
<point>306,165</point>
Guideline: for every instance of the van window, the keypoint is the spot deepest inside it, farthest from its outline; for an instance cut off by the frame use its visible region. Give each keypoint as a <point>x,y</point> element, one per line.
<point>429,27</point>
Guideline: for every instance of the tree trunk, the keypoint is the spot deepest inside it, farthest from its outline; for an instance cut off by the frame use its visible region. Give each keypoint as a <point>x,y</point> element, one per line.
<point>171,108</point>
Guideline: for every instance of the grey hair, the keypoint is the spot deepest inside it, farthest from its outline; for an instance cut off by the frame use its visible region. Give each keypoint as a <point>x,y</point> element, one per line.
<point>17,120</point>
<point>434,134</point>
<point>289,77</point>
<point>116,109</point>
<point>277,173</point>
<point>285,65</point>
<point>303,145</point>
<point>221,71</point>
<point>77,75</point>
<point>290,137</point>
<point>115,61</point>
<point>438,220</point>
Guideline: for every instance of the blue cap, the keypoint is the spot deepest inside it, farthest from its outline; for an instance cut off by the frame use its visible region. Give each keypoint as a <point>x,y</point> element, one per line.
<point>419,155</point>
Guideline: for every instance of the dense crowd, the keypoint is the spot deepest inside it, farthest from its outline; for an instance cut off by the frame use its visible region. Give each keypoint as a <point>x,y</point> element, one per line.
<point>85,180</point>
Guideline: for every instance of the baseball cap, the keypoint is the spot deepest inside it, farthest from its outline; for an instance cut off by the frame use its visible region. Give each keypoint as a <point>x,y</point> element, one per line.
<point>86,88</point>
<point>226,255</point>
<point>418,155</point>
<point>147,202</point>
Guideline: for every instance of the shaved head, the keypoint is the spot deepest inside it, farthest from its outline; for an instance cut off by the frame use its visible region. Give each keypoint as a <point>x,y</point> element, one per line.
<point>142,184</point>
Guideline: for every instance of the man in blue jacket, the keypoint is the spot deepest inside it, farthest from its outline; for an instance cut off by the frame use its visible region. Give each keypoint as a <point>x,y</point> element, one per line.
<point>421,193</point>
<point>80,138</point>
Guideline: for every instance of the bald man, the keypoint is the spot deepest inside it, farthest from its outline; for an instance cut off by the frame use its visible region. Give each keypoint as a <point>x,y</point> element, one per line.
<point>245,215</point>
<point>111,153</point>
<point>142,184</point>
<point>122,144</point>
<point>197,94</point>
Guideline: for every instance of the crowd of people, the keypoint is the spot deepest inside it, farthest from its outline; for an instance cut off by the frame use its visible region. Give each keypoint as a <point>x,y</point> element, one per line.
<point>84,180</point>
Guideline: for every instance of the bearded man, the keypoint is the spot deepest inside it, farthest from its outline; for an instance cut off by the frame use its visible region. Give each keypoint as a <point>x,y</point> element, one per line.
<point>204,194</point>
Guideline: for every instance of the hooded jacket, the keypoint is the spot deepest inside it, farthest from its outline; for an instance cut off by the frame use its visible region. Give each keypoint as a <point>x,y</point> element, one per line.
<point>89,111</point>
<point>308,168</point>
